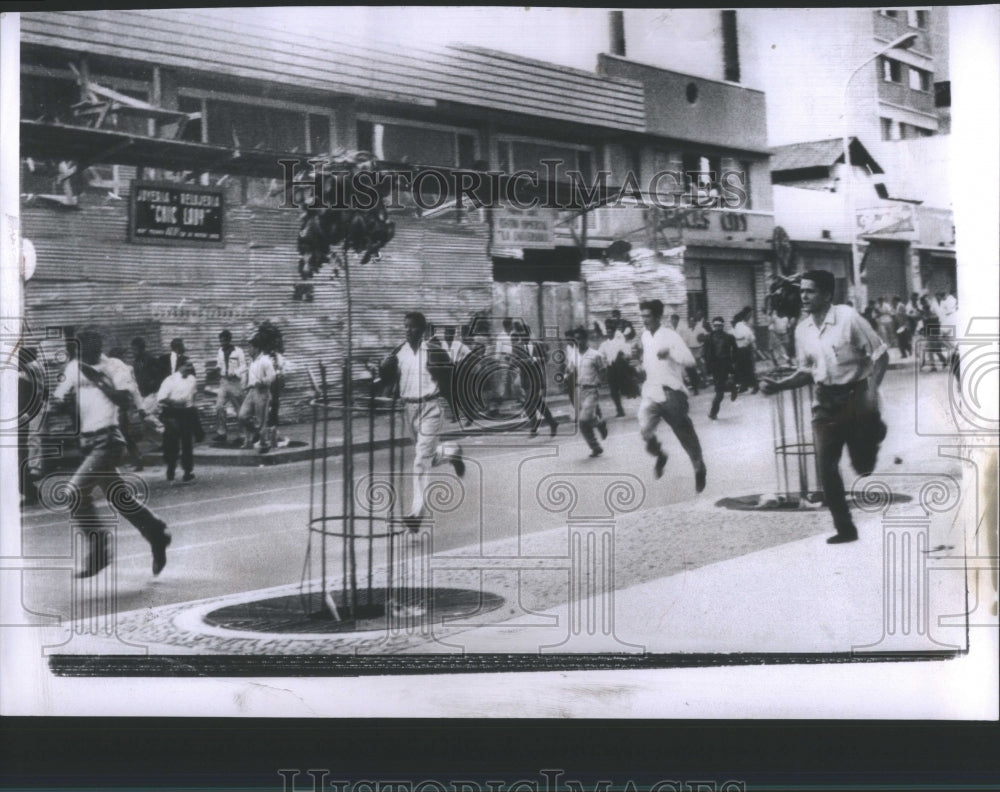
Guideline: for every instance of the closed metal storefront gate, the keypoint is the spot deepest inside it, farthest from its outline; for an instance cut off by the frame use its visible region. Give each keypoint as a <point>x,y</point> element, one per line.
<point>728,288</point>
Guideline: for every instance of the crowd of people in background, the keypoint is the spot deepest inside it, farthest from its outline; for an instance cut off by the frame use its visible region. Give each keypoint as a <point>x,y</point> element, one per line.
<point>900,322</point>
<point>160,411</point>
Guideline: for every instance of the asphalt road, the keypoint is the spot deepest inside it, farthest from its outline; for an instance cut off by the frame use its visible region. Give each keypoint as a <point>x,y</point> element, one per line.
<point>240,529</point>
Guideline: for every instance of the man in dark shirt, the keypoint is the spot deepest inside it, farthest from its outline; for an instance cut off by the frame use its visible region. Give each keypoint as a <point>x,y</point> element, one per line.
<point>720,360</point>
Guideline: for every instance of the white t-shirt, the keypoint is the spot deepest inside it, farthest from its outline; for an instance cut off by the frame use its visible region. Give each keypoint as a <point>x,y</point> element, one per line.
<point>97,411</point>
<point>664,372</point>
<point>415,381</point>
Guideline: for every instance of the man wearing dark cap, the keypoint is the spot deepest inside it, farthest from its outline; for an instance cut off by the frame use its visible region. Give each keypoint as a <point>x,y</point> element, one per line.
<point>838,350</point>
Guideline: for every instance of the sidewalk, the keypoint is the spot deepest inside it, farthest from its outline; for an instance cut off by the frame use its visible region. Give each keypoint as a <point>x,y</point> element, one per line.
<point>300,437</point>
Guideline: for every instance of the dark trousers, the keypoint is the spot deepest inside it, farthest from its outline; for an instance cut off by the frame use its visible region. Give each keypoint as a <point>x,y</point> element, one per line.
<point>720,380</point>
<point>674,412</point>
<point>745,375</point>
<point>102,452</point>
<point>534,388</point>
<point>178,438</point>
<point>841,416</point>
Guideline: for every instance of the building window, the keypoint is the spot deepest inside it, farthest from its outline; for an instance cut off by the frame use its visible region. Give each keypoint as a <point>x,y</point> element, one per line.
<point>418,144</point>
<point>889,12</point>
<point>527,154</point>
<point>911,131</point>
<point>917,18</point>
<point>892,71</point>
<point>920,80</point>
<point>730,47</point>
<point>701,174</point>
<point>886,126</point>
<point>249,126</point>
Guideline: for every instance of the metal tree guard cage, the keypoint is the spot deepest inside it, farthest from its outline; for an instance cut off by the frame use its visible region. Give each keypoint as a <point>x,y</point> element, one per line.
<point>351,529</point>
<point>795,464</point>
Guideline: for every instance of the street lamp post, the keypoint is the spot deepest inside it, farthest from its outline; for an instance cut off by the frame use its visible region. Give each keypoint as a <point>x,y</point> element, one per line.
<point>903,42</point>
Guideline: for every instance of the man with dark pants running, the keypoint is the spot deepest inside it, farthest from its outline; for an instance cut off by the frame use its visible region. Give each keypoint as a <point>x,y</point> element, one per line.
<point>839,351</point>
<point>100,393</point>
<point>664,397</point>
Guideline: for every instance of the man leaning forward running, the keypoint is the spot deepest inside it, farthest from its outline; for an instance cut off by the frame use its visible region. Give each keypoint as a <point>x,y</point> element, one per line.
<point>416,366</point>
<point>664,358</point>
<point>101,391</point>
<point>837,348</point>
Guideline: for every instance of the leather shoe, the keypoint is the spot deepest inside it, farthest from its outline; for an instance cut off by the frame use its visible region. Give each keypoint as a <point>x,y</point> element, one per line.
<point>602,427</point>
<point>458,463</point>
<point>699,479</point>
<point>160,544</point>
<point>842,538</point>
<point>661,463</point>
<point>597,452</point>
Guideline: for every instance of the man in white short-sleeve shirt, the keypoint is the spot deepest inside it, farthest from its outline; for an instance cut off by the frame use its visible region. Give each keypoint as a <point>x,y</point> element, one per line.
<point>664,397</point>
<point>837,349</point>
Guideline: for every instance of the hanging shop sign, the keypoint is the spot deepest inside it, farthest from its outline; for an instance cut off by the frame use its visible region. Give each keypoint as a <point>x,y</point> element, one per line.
<point>525,228</point>
<point>175,214</point>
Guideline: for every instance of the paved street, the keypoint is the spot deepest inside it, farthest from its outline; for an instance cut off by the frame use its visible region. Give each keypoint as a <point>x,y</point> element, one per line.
<point>239,530</point>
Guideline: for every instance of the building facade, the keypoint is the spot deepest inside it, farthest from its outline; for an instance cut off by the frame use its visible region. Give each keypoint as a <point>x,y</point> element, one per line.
<point>117,107</point>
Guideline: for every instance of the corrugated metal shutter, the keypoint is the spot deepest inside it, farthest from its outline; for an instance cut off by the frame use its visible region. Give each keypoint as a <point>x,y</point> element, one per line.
<point>728,288</point>
<point>88,273</point>
<point>885,270</point>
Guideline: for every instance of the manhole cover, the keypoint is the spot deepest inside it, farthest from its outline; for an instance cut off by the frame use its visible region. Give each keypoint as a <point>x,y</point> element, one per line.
<point>307,613</point>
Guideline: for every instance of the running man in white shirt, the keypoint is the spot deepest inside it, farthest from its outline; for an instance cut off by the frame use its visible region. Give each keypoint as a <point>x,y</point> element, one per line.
<point>664,358</point>
<point>100,391</point>
<point>416,365</point>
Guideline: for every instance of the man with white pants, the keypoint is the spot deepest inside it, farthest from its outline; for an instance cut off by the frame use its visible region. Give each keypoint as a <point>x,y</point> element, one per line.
<point>415,365</point>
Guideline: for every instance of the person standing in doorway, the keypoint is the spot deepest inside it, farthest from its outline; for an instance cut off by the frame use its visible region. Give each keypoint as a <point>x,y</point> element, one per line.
<point>838,351</point>
<point>664,397</point>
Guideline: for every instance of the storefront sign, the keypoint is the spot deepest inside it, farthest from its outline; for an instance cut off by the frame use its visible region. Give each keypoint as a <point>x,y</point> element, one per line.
<point>525,228</point>
<point>900,221</point>
<point>171,213</point>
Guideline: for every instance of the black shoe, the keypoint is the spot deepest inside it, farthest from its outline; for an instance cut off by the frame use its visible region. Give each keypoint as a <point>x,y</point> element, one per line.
<point>596,452</point>
<point>98,555</point>
<point>734,394</point>
<point>187,478</point>
<point>661,463</point>
<point>170,475</point>
<point>160,544</point>
<point>843,538</point>
<point>138,467</point>
<point>713,416</point>
<point>533,433</point>
<point>699,479</point>
<point>620,414</point>
<point>602,427</point>
<point>220,438</point>
<point>458,463</point>
<point>552,430</point>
